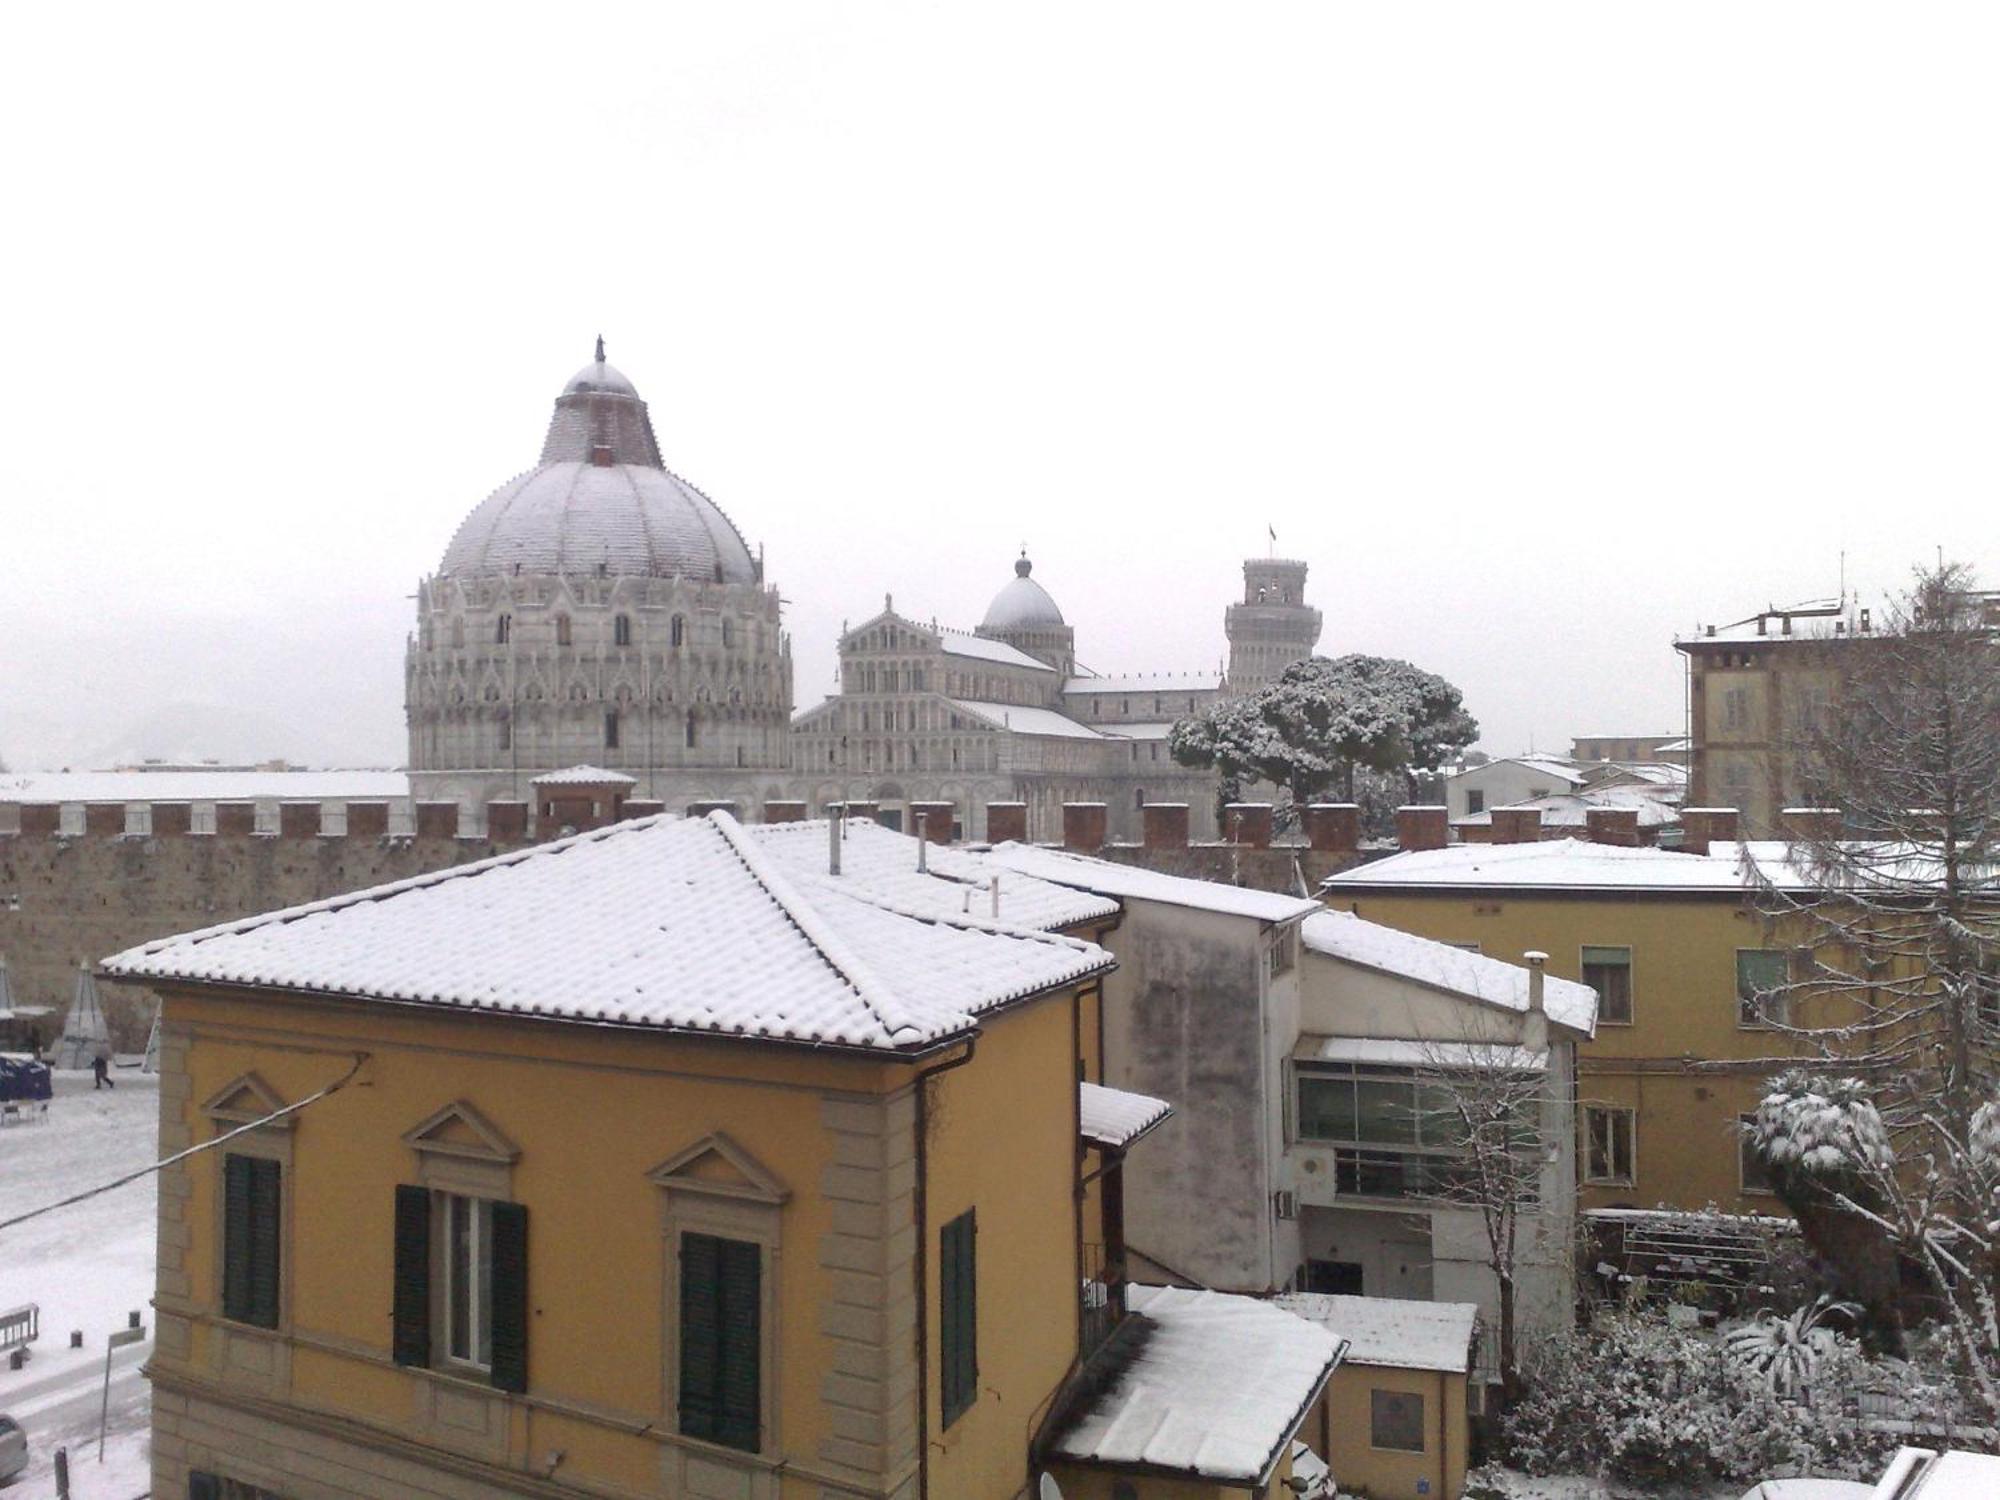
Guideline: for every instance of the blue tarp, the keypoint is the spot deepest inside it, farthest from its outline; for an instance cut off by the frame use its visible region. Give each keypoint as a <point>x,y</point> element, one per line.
<point>23,1079</point>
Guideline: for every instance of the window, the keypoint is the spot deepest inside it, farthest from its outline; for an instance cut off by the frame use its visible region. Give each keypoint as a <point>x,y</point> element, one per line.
<point>1475,801</point>
<point>611,729</point>
<point>1283,952</point>
<point>468,1279</point>
<point>506,734</point>
<point>1736,708</point>
<point>1608,1141</point>
<point>690,729</point>
<point>1396,1420</point>
<point>1341,1278</point>
<point>562,630</point>
<point>1761,975</point>
<point>1749,1165</point>
<point>461,1284</point>
<point>958,1316</point>
<point>677,632</point>
<point>251,1227</point>
<point>725,635</point>
<point>621,630</point>
<point>721,1340</point>
<point>205,1486</point>
<point>1400,1138</point>
<point>1609,972</point>
<point>503,629</point>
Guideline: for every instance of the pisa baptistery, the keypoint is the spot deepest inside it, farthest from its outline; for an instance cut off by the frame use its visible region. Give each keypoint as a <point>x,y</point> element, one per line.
<point>598,610</point>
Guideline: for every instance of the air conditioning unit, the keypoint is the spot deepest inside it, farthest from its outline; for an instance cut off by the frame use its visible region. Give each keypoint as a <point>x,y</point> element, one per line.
<point>1286,1202</point>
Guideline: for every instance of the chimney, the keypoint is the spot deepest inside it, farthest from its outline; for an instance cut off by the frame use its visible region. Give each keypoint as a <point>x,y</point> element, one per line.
<point>833,835</point>
<point>1801,823</point>
<point>1517,825</point>
<point>1006,822</point>
<point>1084,826</point>
<point>1333,827</point>
<point>1535,1025</point>
<point>923,842</point>
<point>1612,825</point>
<point>1166,825</point>
<point>1248,824</point>
<point>1703,826</point>
<point>1422,827</point>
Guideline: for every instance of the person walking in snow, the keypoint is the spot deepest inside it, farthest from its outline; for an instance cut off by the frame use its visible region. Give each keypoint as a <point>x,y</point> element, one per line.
<point>100,1067</point>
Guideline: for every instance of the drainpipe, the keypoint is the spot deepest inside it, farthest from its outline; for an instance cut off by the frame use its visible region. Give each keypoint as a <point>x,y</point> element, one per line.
<point>920,1262</point>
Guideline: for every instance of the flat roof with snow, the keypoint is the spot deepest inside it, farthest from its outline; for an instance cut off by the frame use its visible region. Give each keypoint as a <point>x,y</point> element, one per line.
<point>1568,865</point>
<point>1370,945</point>
<point>1206,1385</point>
<point>1393,1332</point>
<point>584,776</point>
<point>1132,883</point>
<point>679,925</point>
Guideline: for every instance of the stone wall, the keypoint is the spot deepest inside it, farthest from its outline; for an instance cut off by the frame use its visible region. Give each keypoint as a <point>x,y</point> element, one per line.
<point>64,901</point>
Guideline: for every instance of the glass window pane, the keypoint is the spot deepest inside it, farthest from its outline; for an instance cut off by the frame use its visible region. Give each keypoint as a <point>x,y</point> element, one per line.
<point>1326,1109</point>
<point>1386,1111</point>
<point>458,1276</point>
<point>482,1316</point>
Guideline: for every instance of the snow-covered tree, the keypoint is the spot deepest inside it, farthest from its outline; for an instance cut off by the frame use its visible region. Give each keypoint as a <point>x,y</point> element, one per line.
<point>1322,719</point>
<point>1894,988</point>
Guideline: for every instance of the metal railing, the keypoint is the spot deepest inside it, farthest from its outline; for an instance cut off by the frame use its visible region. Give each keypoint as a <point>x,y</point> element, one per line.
<point>1103,1294</point>
<point>20,1326</point>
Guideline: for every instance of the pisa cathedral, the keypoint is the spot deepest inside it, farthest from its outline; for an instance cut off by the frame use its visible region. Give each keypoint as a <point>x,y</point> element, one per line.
<point>599,610</point>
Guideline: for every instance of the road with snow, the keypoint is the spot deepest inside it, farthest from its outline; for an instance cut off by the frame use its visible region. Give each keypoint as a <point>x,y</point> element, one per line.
<point>88,1267</point>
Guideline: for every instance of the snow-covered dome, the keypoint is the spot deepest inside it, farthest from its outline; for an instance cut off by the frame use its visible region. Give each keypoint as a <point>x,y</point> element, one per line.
<point>600,501</point>
<point>1022,604</point>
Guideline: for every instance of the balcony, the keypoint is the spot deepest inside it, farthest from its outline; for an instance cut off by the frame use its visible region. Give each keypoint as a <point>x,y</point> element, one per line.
<point>1103,1298</point>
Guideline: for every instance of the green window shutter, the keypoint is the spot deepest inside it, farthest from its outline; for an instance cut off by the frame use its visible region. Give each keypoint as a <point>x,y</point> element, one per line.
<point>958,1317</point>
<point>510,1297</point>
<point>412,1309</point>
<point>721,1333</point>
<point>236,1238</point>
<point>264,1241</point>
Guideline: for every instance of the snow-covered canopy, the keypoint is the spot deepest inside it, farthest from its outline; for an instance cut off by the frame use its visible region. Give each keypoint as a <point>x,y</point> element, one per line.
<point>584,776</point>
<point>668,923</point>
<point>1116,1117</point>
<point>1393,1332</point>
<point>1206,1384</point>
<point>1351,939</point>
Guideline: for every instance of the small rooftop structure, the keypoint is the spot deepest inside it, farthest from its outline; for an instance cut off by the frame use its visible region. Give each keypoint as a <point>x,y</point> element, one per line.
<point>1116,1118</point>
<point>584,776</point>
<point>1201,1385</point>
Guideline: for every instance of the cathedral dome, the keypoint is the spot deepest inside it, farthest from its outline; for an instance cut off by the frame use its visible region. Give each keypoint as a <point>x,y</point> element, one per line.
<point>600,501</point>
<point>1022,604</point>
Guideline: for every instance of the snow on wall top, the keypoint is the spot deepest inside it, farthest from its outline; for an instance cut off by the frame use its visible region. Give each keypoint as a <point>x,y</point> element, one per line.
<point>1570,864</point>
<point>1393,1331</point>
<point>1351,939</point>
<point>677,924</point>
<point>203,786</point>
<point>962,643</point>
<point>1207,1384</point>
<point>1163,682</point>
<point>1117,1117</point>
<point>1130,883</point>
<point>584,776</point>
<point>1021,720</point>
<point>882,864</point>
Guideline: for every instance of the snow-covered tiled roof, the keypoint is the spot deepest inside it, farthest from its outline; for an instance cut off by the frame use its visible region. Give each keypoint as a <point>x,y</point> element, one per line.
<point>1657,806</point>
<point>1120,730</point>
<point>882,864</point>
<point>1132,883</point>
<point>1355,940</point>
<point>1116,1117</point>
<point>1206,1384</point>
<point>962,643</point>
<point>203,786</point>
<point>669,923</point>
<point>584,776</point>
<point>1568,865</point>
<point>1021,720</point>
<point>1405,1052</point>
<point>1163,682</point>
<point>1392,1331</point>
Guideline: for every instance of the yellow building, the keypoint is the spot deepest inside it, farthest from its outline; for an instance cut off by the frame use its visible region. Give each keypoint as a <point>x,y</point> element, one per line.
<point>662,1160</point>
<point>1683,963</point>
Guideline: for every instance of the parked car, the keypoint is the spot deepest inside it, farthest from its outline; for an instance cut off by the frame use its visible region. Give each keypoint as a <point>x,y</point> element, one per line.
<point>13,1449</point>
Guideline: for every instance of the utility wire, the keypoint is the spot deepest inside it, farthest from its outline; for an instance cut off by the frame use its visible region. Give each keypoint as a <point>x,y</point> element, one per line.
<point>181,1156</point>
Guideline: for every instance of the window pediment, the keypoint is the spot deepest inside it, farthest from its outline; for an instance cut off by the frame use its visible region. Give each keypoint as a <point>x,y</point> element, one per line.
<point>717,1167</point>
<point>459,1130</point>
<point>244,1099</point>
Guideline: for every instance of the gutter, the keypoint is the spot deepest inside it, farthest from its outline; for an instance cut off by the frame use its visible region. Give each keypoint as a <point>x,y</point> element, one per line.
<point>920,1261</point>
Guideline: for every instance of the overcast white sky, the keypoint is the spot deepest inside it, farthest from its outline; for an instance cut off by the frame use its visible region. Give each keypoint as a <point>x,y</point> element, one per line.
<point>1542,332</point>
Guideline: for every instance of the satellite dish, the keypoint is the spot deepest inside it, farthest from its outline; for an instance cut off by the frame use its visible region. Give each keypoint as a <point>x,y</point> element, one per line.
<point>1049,1489</point>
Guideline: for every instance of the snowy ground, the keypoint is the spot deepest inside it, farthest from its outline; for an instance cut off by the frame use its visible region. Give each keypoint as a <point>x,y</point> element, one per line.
<point>88,1267</point>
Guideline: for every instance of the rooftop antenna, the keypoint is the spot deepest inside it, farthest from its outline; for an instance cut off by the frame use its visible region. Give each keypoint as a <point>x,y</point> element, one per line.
<point>600,348</point>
